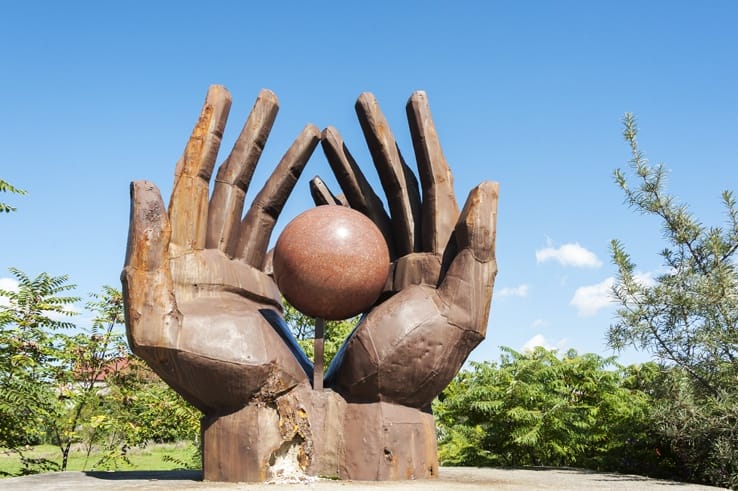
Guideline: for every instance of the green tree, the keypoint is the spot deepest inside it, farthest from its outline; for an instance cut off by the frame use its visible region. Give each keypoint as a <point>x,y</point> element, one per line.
<point>29,342</point>
<point>85,361</point>
<point>687,317</point>
<point>690,314</point>
<point>540,408</point>
<point>139,408</point>
<point>5,187</point>
<point>64,384</point>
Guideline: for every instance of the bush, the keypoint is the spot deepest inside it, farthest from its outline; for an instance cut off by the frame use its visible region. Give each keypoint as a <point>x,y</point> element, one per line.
<point>542,409</point>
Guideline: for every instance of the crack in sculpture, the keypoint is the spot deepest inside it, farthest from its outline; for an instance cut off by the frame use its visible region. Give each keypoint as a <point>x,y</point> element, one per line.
<point>204,313</point>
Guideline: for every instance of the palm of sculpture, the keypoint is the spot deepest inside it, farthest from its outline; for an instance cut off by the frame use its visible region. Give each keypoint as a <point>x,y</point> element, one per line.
<point>204,315</point>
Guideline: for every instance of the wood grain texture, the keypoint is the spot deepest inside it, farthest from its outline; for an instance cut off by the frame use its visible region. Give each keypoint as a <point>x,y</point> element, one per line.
<point>469,281</point>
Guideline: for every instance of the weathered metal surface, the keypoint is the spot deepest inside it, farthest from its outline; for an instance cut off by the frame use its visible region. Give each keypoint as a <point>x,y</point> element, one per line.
<point>388,442</point>
<point>398,181</point>
<point>319,350</point>
<point>234,175</point>
<point>439,209</point>
<point>257,225</point>
<point>203,310</point>
<point>436,305</point>
<point>359,193</point>
<point>323,196</point>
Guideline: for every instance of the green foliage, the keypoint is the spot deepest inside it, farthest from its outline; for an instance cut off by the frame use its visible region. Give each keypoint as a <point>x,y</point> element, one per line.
<point>7,188</point>
<point>541,409</point>
<point>303,327</point>
<point>69,385</point>
<point>138,408</point>
<point>689,315</point>
<point>30,345</point>
<point>688,318</point>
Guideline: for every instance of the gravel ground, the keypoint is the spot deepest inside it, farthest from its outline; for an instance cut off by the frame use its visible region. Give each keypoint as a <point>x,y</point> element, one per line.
<point>451,479</point>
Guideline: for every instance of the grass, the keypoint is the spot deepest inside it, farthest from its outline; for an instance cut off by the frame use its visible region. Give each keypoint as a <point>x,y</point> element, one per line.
<point>153,457</point>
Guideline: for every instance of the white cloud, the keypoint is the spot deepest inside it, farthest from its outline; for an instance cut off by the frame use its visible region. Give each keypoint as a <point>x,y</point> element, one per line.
<point>644,279</point>
<point>516,291</point>
<point>7,284</point>
<point>534,342</point>
<point>569,255</point>
<point>590,299</point>
<point>540,340</point>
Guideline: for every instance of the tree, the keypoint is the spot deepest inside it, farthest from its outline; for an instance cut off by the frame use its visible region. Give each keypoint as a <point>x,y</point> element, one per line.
<point>7,188</point>
<point>687,317</point>
<point>540,408</point>
<point>139,408</point>
<point>64,384</point>
<point>84,359</point>
<point>29,326</point>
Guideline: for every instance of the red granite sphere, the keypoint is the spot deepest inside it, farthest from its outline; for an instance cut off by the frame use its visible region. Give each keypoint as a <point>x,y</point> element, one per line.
<point>331,262</point>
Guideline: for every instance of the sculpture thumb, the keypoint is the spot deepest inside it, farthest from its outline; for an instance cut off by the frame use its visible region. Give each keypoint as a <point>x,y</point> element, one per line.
<point>152,318</point>
<point>466,289</point>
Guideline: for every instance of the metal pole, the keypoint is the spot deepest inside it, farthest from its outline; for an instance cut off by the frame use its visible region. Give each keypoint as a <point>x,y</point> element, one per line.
<point>318,363</point>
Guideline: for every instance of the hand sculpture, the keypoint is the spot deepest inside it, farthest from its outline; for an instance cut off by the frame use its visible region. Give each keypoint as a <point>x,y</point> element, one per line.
<point>410,346</point>
<point>193,283</point>
<point>206,317</point>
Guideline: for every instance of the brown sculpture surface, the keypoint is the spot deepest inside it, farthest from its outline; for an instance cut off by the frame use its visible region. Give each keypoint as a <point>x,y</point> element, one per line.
<point>206,317</point>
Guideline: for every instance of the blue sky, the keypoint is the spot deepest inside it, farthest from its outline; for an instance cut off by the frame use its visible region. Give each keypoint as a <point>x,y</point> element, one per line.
<point>530,94</point>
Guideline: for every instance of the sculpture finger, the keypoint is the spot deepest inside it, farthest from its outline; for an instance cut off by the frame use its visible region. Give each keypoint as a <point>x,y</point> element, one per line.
<point>439,209</point>
<point>466,289</point>
<point>322,195</point>
<point>152,318</point>
<point>259,221</point>
<point>398,180</point>
<point>358,191</point>
<point>188,208</point>
<point>234,175</point>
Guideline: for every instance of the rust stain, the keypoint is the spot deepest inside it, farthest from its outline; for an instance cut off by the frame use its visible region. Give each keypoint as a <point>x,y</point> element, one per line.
<point>194,149</point>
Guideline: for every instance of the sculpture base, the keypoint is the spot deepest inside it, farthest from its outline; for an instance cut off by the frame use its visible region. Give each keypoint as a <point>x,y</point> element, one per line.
<point>383,441</point>
<point>318,433</point>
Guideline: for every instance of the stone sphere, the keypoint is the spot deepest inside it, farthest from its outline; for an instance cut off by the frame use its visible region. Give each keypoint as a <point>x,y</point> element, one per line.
<point>331,262</point>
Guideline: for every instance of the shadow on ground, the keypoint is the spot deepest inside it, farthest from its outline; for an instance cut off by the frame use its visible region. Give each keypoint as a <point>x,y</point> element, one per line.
<point>146,475</point>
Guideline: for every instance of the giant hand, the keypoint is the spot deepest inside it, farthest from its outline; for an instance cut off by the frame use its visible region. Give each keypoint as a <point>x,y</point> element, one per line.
<point>411,344</point>
<point>193,282</point>
<point>204,315</point>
